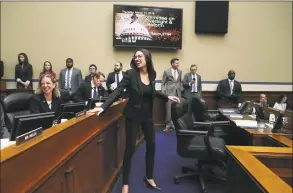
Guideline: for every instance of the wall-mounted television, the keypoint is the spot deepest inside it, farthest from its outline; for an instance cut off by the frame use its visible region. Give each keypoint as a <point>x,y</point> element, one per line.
<point>147,27</point>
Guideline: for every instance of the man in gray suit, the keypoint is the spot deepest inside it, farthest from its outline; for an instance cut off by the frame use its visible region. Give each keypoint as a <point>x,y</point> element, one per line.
<point>192,82</point>
<point>70,77</point>
<point>172,86</point>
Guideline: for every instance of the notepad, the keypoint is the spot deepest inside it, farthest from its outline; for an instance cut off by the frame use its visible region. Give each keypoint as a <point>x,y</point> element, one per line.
<point>234,115</point>
<point>228,110</point>
<point>6,143</point>
<point>246,123</point>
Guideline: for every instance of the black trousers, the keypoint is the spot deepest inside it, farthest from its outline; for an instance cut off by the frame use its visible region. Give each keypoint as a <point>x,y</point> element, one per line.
<point>132,127</point>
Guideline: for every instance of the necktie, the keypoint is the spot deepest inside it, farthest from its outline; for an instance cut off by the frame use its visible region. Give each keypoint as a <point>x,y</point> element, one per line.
<point>231,88</point>
<point>117,78</point>
<point>175,74</point>
<point>95,92</point>
<point>67,80</point>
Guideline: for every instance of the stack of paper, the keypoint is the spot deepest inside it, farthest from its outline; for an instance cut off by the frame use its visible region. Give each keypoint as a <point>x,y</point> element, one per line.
<point>234,115</point>
<point>246,123</point>
<point>228,110</point>
<point>6,143</point>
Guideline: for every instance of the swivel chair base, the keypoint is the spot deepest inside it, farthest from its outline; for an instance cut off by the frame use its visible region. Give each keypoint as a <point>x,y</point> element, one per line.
<point>190,173</point>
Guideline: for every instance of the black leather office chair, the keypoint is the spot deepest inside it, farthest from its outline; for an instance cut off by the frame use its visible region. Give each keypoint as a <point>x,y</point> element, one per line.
<point>15,104</point>
<point>196,143</point>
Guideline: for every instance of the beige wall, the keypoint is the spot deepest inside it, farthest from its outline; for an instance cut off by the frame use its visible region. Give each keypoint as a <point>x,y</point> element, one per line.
<point>258,45</point>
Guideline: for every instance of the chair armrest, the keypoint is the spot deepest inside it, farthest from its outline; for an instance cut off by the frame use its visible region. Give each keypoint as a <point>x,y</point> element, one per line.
<point>191,132</point>
<point>205,124</point>
<point>213,111</point>
<point>219,123</point>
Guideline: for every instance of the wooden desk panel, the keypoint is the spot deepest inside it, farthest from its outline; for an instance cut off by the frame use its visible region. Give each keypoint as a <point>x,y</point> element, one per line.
<point>81,155</point>
<point>247,173</point>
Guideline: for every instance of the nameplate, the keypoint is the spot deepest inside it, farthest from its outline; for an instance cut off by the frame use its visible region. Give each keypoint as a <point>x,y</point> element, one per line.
<point>80,113</point>
<point>29,135</point>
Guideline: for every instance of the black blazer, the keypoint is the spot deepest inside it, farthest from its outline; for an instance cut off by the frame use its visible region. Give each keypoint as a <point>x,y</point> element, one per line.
<point>84,92</point>
<point>38,104</point>
<point>25,73</point>
<point>131,82</point>
<point>88,79</point>
<point>223,92</point>
<point>1,69</point>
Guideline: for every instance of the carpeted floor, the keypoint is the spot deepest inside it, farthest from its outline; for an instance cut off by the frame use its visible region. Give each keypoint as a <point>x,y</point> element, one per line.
<point>167,165</point>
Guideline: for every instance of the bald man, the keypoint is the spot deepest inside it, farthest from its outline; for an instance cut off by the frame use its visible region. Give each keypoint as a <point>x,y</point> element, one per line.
<point>264,101</point>
<point>229,91</point>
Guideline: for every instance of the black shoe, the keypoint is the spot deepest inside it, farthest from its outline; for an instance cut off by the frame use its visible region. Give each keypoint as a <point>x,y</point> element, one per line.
<point>148,185</point>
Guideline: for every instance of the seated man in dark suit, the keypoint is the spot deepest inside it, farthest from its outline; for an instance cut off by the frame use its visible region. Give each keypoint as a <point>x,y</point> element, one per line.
<point>264,101</point>
<point>114,78</point>
<point>94,90</point>
<point>229,91</point>
<point>4,133</point>
<point>92,70</point>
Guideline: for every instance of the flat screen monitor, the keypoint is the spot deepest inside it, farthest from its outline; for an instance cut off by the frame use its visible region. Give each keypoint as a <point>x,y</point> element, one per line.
<point>74,107</point>
<point>147,27</point>
<point>91,103</point>
<point>31,122</point>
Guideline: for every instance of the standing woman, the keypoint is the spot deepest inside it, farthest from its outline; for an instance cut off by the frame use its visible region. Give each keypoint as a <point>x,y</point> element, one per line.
<point>23,72</point>
<point>140,82</point>
<point>48,69</point>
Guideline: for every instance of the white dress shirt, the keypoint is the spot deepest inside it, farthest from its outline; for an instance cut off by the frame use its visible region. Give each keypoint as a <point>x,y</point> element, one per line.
<point>193,86</point>
<point>93,89</point>
<point>280,106</point>
<point>69,81</point>
<point>173,73</point>
<point>231,83</point>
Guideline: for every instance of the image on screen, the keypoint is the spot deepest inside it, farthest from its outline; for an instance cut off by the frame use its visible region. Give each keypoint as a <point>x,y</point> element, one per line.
<point>148,27</point>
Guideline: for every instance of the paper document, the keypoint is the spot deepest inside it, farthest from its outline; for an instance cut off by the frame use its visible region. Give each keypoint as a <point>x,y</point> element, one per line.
<point>234,115</point>
<point>6,143</point>
<point>228,110</point>
<point>246,123</point>
<point>114,85</point>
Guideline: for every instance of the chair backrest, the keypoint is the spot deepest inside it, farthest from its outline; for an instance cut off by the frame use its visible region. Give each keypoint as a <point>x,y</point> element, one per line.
<point>199,109</point>
<point>180,115</point>
<point>15,104</point>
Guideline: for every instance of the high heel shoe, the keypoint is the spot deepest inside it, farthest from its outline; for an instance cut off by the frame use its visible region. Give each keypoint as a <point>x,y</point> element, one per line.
<point>148,185</point>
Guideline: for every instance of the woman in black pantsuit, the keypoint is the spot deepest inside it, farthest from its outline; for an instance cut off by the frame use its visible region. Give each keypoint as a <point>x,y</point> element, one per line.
<point>140,82</point>
<point>23,72</point>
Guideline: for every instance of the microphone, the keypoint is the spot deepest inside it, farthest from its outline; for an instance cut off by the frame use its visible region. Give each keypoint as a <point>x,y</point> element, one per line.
<point>193,79</point>
<point>100,99</point>
<point>70,113</point>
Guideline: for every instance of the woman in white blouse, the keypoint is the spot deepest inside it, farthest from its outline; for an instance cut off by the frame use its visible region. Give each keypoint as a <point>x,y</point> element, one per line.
<point>281,104</point>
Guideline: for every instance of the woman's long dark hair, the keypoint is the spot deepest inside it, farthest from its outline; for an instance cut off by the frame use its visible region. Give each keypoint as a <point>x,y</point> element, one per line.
<point>25,62</point>
<point>149,64</point>
<point>51,68</point>
<point>281,98</point>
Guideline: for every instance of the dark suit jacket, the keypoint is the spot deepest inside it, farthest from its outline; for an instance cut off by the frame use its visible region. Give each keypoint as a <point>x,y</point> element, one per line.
<point>111,80</point>
<point>223,92</point>
<point>131,82</point>
<point>88,79</point>
<point>38,104</point>
<point>1,69</point>
<point>187,79</point>
<point>84,92</point>
<point>4,133</point>
<point>25,73</point>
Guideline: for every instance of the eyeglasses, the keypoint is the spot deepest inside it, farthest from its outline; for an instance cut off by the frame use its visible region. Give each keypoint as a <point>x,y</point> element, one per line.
<point>139,56</point>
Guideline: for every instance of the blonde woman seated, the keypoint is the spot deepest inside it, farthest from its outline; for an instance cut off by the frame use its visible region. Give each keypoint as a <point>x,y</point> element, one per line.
<point>47,97</point>
<point>281,104</point>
